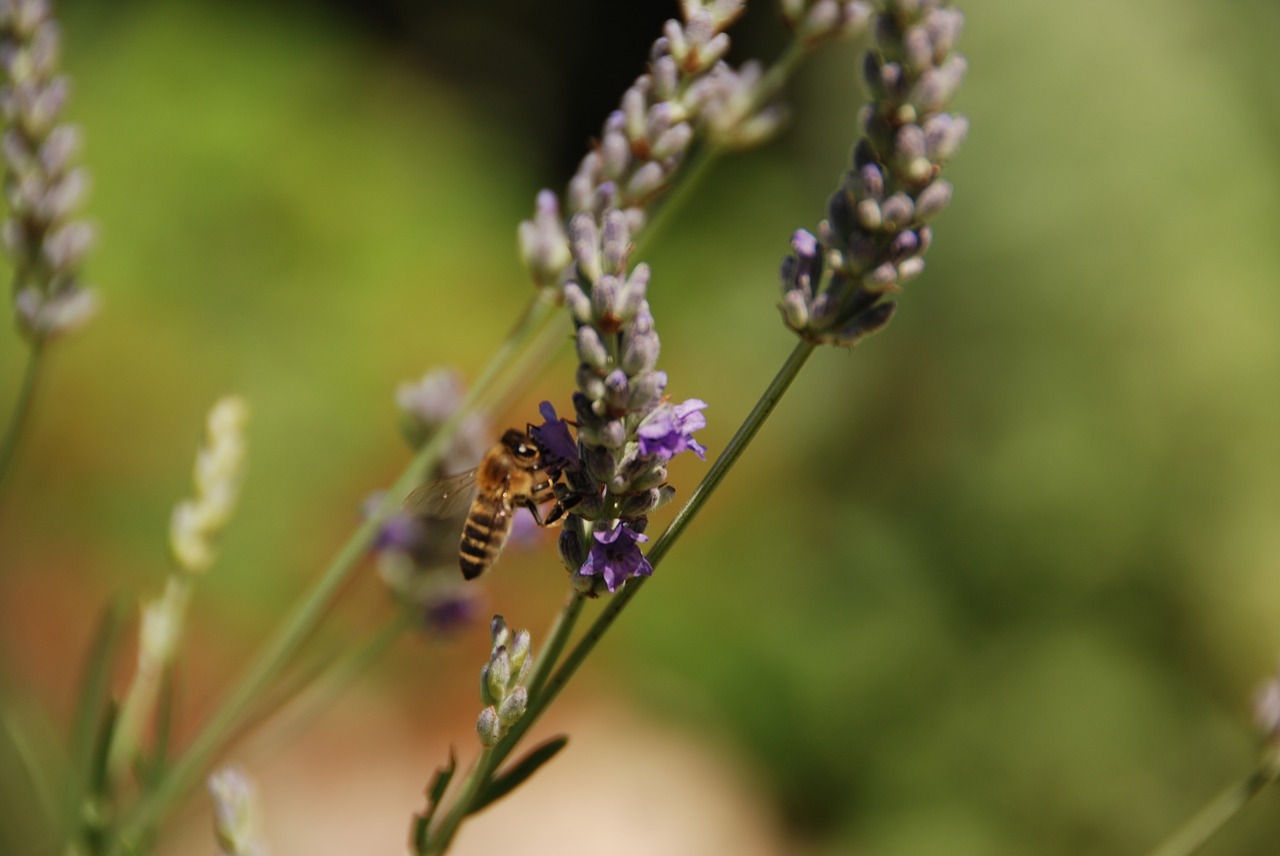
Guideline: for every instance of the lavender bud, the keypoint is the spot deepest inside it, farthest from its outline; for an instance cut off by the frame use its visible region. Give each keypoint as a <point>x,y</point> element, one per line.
<point>938,86</point>
<point>615,242</point>
<point>943,26</point>
<point>498,632</point>
<point>897,211</point>
<point>634,107</point>
<point>591,349</point>
<point>62,197</point>
<point>646,181</point>
<point>903,245</point>
<point>932,200</point>
<point>46,48</point>
<point>584,238</point>
<point>909,147</point>
<point>44,108</point>
<point>591,384</point>
<point>65,247</point>
<point>865,323</point>
<point>795,311</point>
<point>910,269</point>
<point>882,277</point>
<point>615,150</point>
<point>512,707</point>
<point>578,302</point>
<point>544,246</point>
<point>17,152</point>
<point>917,50</point>
<point>943,136</point>
<point>646,390</point>
<point>616,390</point>
<point>673,142</point>
<point>519,653</point>
<point>869,215</point>
<point>571,550</point>
<point>613,434</point>
<point>639,351</point>
<point>497,676</point>
<point>489,728</point>
<point>62,144</point>
<point>666,77</point>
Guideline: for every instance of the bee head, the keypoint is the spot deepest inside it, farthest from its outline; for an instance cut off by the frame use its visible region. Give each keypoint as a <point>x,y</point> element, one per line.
<point>521,445</point>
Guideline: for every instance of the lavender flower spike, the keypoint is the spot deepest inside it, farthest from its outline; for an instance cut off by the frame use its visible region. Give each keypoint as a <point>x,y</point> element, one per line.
<point>626,431</point>
<point>876,232</point>
<point>42,184</point>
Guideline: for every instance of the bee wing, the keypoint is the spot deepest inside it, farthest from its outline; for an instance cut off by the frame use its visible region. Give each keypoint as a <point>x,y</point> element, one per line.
<point>443,497</point>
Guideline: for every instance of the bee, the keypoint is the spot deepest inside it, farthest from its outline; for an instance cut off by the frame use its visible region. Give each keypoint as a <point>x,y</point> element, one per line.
<point>512,475</point>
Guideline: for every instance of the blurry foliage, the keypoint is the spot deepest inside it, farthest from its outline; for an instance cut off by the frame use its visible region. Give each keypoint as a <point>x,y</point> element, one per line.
<point>999,582</point>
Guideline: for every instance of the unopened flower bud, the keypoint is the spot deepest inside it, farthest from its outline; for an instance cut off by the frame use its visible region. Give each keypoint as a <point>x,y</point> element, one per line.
<point>489,727</point>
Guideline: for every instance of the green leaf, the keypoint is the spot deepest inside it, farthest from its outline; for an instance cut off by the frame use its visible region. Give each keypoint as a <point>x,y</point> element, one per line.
<point>435,793</point>
<point>504,783</point>
<point>89,737</point>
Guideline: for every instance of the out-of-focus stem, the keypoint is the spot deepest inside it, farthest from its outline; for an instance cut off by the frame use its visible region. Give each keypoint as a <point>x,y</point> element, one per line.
<point>1206,823</point>
<point>20,417</point>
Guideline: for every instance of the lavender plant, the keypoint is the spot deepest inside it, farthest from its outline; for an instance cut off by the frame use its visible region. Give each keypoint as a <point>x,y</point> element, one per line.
<point>43,188</point>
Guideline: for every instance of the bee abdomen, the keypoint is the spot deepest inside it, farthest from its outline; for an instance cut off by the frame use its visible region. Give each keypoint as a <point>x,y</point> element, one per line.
<point>482,538</point>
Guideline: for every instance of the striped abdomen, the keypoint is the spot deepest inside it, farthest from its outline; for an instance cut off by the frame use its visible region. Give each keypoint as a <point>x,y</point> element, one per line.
<point>484,533</point>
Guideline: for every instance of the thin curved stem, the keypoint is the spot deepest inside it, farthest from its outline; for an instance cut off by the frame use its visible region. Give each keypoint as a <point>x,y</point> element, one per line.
<point>1207,822</point>
<point>20,417</point>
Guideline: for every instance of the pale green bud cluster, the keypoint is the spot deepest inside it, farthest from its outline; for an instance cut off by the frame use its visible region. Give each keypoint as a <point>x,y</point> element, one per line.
<point>219,469</point>
<point>502,682</point>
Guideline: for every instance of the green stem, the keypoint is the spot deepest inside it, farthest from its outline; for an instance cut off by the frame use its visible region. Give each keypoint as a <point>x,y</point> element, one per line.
<point>1206,823</point>
<point>556,640</point>
<point>20,417</point>
<point>306,615</point>
<point>438,842</point>
<point>321,684</point>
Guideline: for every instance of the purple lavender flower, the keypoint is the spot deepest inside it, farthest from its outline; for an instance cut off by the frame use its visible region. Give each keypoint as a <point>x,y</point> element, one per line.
<point>451,609</point>
<point>559,449</point>
<point>668,430</point>
<point>615,556</point>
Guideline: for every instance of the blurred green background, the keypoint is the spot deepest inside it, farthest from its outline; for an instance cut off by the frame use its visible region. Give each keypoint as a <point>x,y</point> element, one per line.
<point>1001,581</point>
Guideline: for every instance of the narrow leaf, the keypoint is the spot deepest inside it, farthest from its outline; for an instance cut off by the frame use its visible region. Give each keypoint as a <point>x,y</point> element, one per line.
<point>435,793</point>
<point>91,706</point>
<point>514,775</point>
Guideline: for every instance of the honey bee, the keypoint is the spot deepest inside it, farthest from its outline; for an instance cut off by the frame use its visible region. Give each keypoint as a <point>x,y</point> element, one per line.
<point>512,475</point>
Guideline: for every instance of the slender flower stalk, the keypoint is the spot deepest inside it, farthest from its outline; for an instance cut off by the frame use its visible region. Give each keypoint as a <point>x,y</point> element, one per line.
<point>1209,820</point>
<point>196,523</point>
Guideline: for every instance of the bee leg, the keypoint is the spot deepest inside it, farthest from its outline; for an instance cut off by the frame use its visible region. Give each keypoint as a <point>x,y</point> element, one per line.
<point>562,506</point>
<point>537,515</point>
